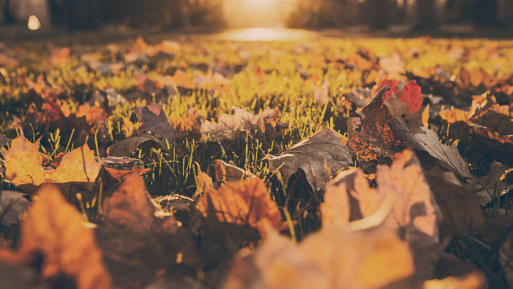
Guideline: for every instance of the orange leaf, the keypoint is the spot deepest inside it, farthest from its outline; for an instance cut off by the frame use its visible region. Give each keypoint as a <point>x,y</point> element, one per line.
<point>55,228</point>
<point>241,203</point>
<point>23,165</point>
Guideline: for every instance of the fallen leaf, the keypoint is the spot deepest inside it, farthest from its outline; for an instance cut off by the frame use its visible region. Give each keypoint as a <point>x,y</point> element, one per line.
<point>14,204</point>
<point>139,239</point>
<point>321,95</point>
<point>94,115</point>
<point>23,165</point>
<point>475,280</point>
<point>313,155</point>
<point>490,141</point>
<point>414,210</point>
<point>242,203</point>
<point>391,66</point>
<point>375,141</point>
<point>462,214</point>
<point>230,173</point>
<point>127,147</point>
<point>204,181</point>
<point>331,258</point>
<point>411,95</point>
<point>55,228</point>
<point>153,119</point>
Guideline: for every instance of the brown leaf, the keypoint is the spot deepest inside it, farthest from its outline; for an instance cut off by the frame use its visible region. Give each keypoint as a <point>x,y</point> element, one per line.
<point>375,142</point>
<point>313,155</point>
<point>154,119</point>
<point>230,173</point>
<point>127,147</point>
<point>54,228</point>
<point>331,258</point>
<point>462,214</point>
<point>242,203</point>
<point>139,239</point>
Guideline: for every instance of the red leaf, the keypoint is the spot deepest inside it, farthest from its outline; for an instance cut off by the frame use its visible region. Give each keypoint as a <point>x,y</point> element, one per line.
<point>412,96</point>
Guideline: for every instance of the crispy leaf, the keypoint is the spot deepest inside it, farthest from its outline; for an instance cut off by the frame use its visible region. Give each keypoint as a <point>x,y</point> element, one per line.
<point>230,173</point>
<point>154,119</point>
<point>127,147</point>
<point>313,155</point>
<point>23,165</point>
<point>242,203</point>
<point>138,239</point>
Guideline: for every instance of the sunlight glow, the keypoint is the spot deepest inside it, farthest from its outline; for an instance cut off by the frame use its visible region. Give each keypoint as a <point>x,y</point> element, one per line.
<point>33,23</point>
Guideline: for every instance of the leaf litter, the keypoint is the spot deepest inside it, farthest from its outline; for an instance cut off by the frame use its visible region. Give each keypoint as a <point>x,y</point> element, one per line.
<point>197,164</point>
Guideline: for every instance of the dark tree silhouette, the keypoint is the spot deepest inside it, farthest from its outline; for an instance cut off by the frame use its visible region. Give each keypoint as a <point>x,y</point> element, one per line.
<point>6,9</point>
<point>426,14</point>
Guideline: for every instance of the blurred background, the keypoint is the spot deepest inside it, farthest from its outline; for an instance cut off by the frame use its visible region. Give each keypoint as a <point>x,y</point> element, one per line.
<point>392,15</point>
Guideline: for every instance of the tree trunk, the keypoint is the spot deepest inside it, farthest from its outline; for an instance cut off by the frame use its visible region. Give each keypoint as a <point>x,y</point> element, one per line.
<point>378,12</point>
<point>8,17</point>
<point>486,12</point>
<point>426,14</point>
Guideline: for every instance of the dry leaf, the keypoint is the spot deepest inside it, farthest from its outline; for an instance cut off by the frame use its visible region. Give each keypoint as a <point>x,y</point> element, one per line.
<point>153,119</point>
<point>54,228</point>
<point>230,173</point>
<point>204,180</point>
<point>321,95</point>
<point>475,280</point>
<point>312,156</point>
<point>23,165</point>
<point>375,142</point>
<point>127,147</point>
<point>242,203</point>
<point>138,239</point>
<point>330,258</point>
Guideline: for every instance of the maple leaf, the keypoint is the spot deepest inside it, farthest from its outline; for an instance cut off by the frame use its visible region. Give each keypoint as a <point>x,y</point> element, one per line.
<point>317,156</point>
<point>139,239</point>
<point>241,203</point>
<point>55,229</point>
<point>330,258</point>
<point>414,210</point>
<point>154,119</point>
<point>23,167</point>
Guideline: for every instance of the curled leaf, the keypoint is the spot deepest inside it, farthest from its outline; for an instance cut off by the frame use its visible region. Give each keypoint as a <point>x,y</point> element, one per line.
<point>311,155</point>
